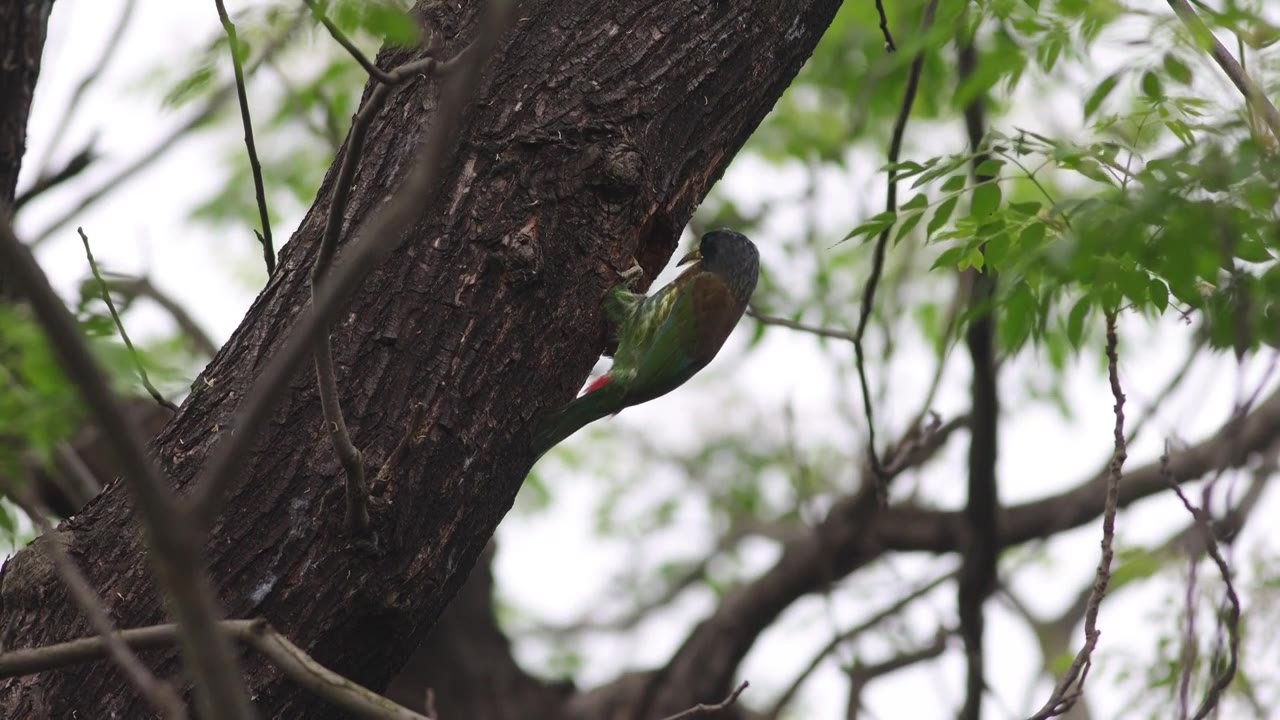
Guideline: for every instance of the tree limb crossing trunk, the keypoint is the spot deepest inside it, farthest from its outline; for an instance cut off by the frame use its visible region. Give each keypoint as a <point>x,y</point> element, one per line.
<point>599,126</point>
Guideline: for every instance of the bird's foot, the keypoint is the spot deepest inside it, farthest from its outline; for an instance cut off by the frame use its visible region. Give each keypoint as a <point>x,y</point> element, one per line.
<point>632,275</point>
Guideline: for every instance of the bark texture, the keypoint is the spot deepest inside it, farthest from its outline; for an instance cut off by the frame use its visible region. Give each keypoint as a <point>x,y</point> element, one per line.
<point>599,125</point>
<point>23,24</point>
<point>22,32</point>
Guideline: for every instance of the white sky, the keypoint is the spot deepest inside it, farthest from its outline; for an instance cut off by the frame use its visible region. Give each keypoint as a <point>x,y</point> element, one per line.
<point>551,564</point>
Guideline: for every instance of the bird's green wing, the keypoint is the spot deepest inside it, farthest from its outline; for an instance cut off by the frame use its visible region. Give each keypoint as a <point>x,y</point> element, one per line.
<point>676,349</point>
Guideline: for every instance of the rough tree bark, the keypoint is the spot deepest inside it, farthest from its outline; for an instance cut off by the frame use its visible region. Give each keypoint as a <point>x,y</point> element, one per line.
<point>22,31</point>
<point>599,125</point>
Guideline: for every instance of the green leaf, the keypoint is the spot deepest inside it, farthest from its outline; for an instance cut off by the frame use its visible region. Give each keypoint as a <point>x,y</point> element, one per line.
<point>917,202</point>
<point>1159,293</point>
<point>908,224</point>
<point>950,257</point>
<point>1100,94</point>
<point>1030,208</point>
<point>955,183</point>
<point>873,226</point>
<point>1176,69</point>
<point>986,198</point>
<point>1032,235</point>
<point>941,215</point>
<point>1151,85</point>
<point>1075,321</point>
<point>988,168</point>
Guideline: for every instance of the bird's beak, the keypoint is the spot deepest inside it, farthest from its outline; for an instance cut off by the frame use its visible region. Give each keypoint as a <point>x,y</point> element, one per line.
<point>692,256</point>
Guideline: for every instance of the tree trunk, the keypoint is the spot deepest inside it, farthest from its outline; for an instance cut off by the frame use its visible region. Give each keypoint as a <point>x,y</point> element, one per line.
<point>599,125</point>
<point>23,24</point>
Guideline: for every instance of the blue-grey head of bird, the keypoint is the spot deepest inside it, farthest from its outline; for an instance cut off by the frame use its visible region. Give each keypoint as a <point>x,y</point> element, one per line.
<point>733,257</point>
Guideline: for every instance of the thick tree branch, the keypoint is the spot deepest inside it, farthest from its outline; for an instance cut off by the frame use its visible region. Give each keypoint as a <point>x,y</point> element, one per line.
<point>356,517</point>
<point>378,238</point>
<point>175,548</point>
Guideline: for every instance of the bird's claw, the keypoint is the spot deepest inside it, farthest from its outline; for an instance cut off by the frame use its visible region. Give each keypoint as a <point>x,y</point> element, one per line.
<point>632,274</point>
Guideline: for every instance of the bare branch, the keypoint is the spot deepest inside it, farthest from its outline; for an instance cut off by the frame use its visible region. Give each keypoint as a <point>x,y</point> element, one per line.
<point>1232,621</point>
<point>159,695</point>
<point>862,675</point>
<point>701,709</point>
<point>901,604</point>
<point>135,287</point>
<point>124,335</point>
<point>380,235</point>
<point>45,183</point>
<point>884,27</point>
<point>1254,95</point>
<point>369,66</point>
<point>233,44</point>
<point>1071,686</point>
<point>175,547</point>
<point>802,327</point>
<point>877,259</point>
<point>296,664</point>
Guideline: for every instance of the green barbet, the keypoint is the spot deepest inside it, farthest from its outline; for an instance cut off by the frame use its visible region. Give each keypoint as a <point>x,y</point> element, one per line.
<point>666,338</point>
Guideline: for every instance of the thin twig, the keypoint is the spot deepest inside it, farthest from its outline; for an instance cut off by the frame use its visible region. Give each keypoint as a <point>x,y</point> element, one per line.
<point>1071,686</point>
<point>160,695</point>
<point>1223,680</point>
<point>379,236</point>
<point>369,66</point>
<point>884,27</point>
<point>175,548</point>
<point>874,621</point>
<point>296,664</point>
<point>145,159</point>
<point>877,259</point>
<point>703,709</point>
<point>802,327</point>
<point>861,675</point>
<point>124,335</point>
<point>1254,95</point>
<point>135,287</point>
<point>268,247</point>
<point>44,183</point>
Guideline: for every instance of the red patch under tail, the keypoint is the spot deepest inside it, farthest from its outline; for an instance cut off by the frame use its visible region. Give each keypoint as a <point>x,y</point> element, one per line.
<point>597,384</point>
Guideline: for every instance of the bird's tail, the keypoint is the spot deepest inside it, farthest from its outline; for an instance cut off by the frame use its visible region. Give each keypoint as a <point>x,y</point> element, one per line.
<point>554,426</point>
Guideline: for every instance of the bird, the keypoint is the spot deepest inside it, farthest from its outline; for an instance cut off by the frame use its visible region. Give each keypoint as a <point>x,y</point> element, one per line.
<point>665,338</point>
